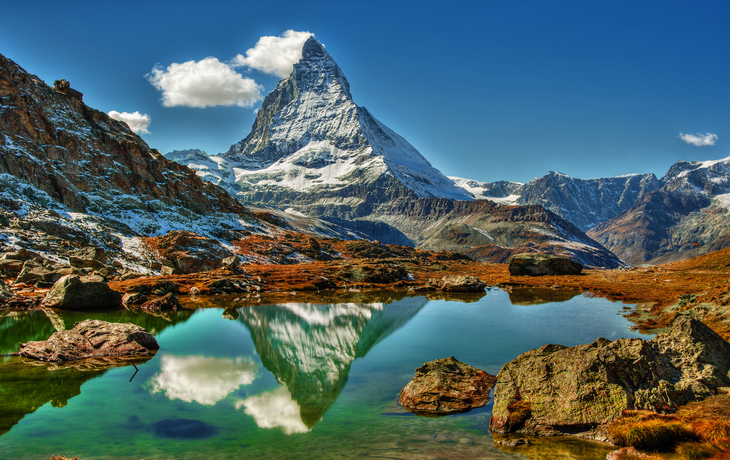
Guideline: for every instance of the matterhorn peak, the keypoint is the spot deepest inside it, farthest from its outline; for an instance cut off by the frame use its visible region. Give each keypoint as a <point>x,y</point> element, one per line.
<point>310,137</point>
<point>314,49</point>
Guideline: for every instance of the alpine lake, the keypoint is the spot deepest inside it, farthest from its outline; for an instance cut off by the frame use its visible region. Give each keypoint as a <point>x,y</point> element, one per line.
<point>287,380</point>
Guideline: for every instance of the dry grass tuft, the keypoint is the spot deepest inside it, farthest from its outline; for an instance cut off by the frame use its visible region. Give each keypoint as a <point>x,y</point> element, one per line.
<point>649,431</point>
<point>704,451</point>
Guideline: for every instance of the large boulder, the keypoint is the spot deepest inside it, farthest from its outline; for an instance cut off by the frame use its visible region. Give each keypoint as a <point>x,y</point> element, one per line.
<point>533,264</point>
<point>92,338</point>
<point>72,292</point>
<point>556,390</point>
<point>446,386</point>
<point>456,283</point>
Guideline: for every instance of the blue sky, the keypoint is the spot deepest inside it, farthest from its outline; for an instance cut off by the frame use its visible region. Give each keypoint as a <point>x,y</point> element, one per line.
<point>488,90</point>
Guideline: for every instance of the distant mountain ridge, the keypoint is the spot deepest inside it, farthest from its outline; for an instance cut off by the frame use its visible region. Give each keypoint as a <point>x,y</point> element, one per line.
<point>687,215</point>
<point>584,202</point>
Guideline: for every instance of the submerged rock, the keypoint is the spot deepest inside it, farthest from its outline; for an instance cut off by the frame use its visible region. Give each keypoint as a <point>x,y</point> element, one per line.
<point>92,339</point>
<point>446,386</point>
<point>532,264</point>
<point>182,428</point>
<point>556,390</point>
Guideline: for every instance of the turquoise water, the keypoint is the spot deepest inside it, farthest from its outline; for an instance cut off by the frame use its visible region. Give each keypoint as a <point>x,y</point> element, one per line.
<point>285,381</point>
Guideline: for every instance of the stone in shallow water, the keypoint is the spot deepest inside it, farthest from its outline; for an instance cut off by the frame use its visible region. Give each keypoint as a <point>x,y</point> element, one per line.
<point>446,386</point>
<point>182,428</point>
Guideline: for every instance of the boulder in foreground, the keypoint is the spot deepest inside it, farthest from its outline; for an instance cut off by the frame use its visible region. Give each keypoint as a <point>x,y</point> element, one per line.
<point>446,386</point>
<point>532,264</point>
<point>556,390</point>
<point>77,293</point>
<point>92,338</point>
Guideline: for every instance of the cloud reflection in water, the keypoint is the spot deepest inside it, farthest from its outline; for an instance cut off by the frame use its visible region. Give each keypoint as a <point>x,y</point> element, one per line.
<point>205,380</point>
<point>274,409</point>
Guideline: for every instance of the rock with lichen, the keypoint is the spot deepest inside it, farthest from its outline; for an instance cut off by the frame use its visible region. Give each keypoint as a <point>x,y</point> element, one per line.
<point>557,390</point>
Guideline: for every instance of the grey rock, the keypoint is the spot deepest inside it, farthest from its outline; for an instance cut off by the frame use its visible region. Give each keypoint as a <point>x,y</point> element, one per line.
<point>557,390</point>
<point>33,272</point>
<point>72,292</point>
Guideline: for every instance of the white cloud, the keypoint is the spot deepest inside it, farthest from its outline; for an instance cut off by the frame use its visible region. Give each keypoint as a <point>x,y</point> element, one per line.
<point>204,83</point>
<point>200,379</point>
<point>700,139</point>
<point>274,409</point>
<point>137,122</point>
<point>274,55</point>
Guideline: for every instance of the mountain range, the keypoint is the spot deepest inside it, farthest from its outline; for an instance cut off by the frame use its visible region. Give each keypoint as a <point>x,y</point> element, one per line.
<point>317,162</point>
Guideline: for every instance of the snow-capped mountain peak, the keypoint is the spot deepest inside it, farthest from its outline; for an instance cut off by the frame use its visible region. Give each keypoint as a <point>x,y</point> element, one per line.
<point>310,136</point>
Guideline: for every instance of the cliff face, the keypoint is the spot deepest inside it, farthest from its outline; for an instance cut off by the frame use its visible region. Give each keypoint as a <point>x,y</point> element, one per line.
<point>84,159</point>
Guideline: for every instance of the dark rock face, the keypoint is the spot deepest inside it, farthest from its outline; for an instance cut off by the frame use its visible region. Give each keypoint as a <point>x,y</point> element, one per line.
<point>556,390</point>
<point>92,339</point>
<point>168,302</point>
<point>531,264</point>
<point>72,292</point>
<point>456,283</point>
<point>446,386</point>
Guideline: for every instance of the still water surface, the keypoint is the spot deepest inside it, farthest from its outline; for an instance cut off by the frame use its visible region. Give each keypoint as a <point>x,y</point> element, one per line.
<point>292,380</point>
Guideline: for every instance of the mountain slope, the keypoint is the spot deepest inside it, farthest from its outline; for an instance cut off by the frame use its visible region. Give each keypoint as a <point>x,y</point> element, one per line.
<point>689,214</point>
<point>486,231</point>
<point>72,172</point>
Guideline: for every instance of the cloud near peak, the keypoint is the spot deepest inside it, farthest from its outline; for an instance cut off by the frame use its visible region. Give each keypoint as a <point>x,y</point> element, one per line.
<point>274,55</point>
<point>136,121</point>
<point>699,140</point>
<point>210,82</point>
<point>204,83</point>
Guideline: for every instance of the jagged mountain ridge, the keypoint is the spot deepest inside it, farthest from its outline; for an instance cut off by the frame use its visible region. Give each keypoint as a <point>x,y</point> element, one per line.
<point>584,202</point>
<point>688,215</point>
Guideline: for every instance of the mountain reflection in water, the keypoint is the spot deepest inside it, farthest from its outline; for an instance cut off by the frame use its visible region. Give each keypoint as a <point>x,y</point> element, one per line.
<point>309,348</point>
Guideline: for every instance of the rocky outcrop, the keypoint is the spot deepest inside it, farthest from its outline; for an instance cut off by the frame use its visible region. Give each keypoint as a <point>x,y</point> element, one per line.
<point>556,390</point>
<point>92,339</point>
<point>73,292</point>
<point>446,386</point>
<point>456,283</point>
<point>185,252</point>
<point>532,264</point>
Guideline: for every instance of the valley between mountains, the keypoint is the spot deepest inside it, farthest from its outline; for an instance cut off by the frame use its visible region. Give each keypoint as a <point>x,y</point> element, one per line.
<point>322,199</point>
